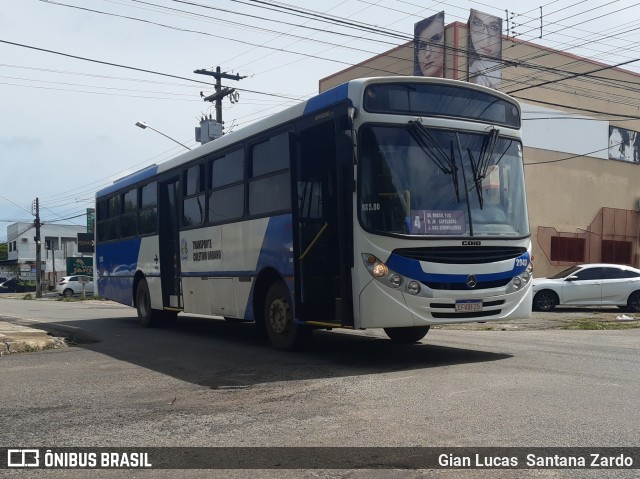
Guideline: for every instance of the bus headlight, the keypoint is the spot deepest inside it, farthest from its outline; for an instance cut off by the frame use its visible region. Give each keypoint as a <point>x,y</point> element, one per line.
<point>413,287</point>
<point>518,282</point>
<point>391,279</point>
<point>380,270</point>
<point>395,280</point>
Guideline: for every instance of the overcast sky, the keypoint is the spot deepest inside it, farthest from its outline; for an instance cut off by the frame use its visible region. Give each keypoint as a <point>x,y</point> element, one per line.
<point>67,124</point>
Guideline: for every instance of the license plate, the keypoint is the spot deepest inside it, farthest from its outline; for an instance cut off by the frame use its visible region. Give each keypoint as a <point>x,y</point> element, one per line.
<point>467,305</point>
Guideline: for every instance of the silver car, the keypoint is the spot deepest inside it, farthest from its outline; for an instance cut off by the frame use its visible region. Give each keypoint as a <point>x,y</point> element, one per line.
<point>589,285</point>
<point>76,284</point>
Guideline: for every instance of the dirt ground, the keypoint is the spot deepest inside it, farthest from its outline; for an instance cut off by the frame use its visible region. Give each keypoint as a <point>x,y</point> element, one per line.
<point>560,318</point>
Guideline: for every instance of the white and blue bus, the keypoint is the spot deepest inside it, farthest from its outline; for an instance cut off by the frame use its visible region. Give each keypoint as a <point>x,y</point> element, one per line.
<point>392,202</point>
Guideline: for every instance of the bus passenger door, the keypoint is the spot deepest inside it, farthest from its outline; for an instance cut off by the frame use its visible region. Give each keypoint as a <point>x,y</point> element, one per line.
<point>169,238</point>
<point>322,212</point>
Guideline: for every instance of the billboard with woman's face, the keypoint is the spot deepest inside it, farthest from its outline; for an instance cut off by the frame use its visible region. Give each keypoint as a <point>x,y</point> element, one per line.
<point>428,46</point>
<point>624,144</point>
<point>485,49</point>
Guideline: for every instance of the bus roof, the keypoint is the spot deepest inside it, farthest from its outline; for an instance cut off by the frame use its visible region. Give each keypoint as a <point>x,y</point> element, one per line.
<point>317,103</point>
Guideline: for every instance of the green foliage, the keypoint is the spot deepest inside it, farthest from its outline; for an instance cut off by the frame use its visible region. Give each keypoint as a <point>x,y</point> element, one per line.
<point>4,251</point>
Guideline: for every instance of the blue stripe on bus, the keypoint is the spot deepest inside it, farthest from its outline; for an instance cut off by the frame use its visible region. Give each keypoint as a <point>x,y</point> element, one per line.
<point>327,98</point>
<point>411,269</point>
<point>132,179</point>
<point>276,252</point>
<point>115,277</point>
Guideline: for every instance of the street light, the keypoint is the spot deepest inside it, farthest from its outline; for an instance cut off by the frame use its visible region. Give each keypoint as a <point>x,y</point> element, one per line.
<point>143,125</point>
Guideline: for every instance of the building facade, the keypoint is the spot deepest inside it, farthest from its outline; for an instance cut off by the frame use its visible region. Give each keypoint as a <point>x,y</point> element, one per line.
<point>581,121</point>
<point>58,243</point>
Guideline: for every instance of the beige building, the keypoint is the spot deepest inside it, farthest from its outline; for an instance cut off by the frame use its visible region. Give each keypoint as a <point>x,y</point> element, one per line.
<point>583,206</point>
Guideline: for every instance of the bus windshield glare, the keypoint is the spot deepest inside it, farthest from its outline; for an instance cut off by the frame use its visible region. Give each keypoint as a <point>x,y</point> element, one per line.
<point>434,182</point>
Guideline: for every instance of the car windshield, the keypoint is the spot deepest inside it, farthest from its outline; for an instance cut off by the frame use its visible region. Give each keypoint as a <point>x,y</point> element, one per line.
<point>565,273</point>
<point>424,182</point>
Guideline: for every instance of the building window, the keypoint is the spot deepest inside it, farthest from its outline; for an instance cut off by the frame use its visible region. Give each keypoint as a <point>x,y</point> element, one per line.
<point>567,249</point>
<point>617,252</point>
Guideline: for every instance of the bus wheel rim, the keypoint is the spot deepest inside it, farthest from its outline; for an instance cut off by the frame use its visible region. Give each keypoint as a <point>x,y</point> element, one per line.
<point>278,316</point>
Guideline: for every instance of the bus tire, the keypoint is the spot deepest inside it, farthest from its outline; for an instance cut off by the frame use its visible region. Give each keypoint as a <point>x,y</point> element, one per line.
<point>407,335</point>
<point>284,332</point>
<point>146,316</point>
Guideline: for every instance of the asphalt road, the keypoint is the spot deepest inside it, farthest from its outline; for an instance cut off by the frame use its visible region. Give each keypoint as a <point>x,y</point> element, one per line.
<point>213,383</point>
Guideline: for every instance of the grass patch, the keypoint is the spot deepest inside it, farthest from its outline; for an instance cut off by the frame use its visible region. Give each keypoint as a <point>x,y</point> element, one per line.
<point>591,324</point>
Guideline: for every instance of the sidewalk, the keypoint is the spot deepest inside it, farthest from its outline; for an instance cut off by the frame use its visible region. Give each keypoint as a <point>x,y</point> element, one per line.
<point>17,338</point>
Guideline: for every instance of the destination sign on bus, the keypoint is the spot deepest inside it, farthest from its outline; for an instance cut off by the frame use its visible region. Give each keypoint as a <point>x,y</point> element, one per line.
<point>438,222</point>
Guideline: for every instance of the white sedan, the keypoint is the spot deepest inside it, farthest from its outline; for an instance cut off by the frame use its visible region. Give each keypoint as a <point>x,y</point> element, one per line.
<point>77,284</point>
<point>588,285</point>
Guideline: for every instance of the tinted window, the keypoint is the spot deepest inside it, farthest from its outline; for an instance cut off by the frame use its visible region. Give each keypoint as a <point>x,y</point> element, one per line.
<point>147,221</point>
<point>617,273</point>
<point>589,274</point>
<point>113,206</point>
<point>270,194</point>
<point>193,211</point>
<point>271,155</point>
<point>149,195</point>
<point>130,200</point>
<point>226,204</point>
<point>227,169</point>
<point>193,180</point>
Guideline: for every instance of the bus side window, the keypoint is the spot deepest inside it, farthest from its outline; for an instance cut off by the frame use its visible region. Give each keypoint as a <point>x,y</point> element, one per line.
<point>194,205</point>
<point>269,183</point>
<point>226,194</point>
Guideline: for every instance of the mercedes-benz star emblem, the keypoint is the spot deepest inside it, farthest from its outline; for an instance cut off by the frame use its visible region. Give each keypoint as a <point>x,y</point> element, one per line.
<point>472,281</point>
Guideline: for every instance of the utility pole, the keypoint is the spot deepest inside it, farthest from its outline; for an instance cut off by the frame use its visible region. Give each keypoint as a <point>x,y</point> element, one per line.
<point>220,92</point>
<point>36,223</point>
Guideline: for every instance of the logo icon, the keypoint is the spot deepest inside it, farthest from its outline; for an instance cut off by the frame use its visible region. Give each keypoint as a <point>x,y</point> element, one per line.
<point>23,458</point>
<point>472,281</point>
<point>184,250</point>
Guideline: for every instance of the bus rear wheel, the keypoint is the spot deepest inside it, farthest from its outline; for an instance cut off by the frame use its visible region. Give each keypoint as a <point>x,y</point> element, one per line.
<point>412,334</point>
<point>283,331</point>
<point>146,315</point>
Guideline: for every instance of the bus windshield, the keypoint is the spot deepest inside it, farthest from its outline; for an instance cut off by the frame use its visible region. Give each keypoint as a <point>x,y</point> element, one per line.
<point>424,182</point>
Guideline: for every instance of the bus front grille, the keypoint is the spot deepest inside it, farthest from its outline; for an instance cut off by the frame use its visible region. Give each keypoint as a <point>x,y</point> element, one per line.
<point>462,254</point>
<point>475,314</point>
<point>463,286</point>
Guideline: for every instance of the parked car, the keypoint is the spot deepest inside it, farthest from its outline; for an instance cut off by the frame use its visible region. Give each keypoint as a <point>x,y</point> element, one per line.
<point>70,285</point>
<point>14,285</point>
<point>588,285</point>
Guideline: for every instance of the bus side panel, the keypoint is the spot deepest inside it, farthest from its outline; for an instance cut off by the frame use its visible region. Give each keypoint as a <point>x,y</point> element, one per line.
<point>220,263</point>
<point>115,273</point>
<point>149,265</point>
<point>276,252</point>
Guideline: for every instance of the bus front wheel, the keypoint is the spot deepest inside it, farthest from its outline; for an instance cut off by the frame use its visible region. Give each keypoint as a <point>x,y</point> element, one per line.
<point>148,317</point>
<point>283,331</point>
<point>407,335</point>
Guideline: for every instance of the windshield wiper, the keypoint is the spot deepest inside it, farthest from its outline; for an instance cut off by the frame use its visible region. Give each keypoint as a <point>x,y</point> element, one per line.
<point>481,167</point>
<point>432,150</point>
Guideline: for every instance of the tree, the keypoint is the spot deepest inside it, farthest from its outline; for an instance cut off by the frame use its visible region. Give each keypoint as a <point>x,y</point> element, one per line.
<point>3,251</point>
